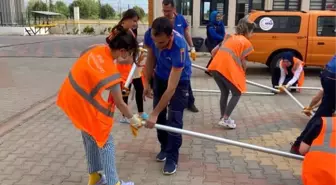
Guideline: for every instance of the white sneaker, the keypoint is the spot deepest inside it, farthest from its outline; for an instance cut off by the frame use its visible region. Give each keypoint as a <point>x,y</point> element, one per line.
<point>124,120</point>
<point>228,123</point>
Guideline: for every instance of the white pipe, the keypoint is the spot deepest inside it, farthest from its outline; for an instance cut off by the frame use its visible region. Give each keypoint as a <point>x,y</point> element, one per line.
<point>130,76</point>
<point>290,95</point>
<point>308,88</point>
<point>199,67</point>
<point>217,91</point>
<point>262,86</point>
<point>228,141</point>
<point>247,81</point>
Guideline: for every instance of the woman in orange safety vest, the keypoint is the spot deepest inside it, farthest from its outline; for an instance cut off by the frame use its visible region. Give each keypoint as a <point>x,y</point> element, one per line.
<point>80,97</point>
<point>129,22</point>
<point>319,149</point>
<point>289,73</point>
<point>228,68</point>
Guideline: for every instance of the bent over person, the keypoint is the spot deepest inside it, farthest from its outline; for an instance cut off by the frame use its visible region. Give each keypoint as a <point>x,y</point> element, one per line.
<point>168,53</point>
<point>228,68</point>
<point>80,97</point>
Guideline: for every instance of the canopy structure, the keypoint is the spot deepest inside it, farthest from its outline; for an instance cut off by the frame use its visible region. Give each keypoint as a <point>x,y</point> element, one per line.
<point>42,19</point>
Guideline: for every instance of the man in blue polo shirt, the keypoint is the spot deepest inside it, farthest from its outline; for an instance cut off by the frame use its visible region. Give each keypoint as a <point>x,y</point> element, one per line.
<point>181,26</point>
<point>168,54</point>
<point>328,103</point>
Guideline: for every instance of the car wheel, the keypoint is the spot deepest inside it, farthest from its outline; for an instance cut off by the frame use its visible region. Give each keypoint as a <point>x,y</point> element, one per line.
<point>275,61</point>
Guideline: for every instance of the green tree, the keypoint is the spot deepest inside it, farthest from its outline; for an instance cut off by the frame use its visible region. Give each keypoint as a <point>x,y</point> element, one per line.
<point>107,12</point>
<point>87,8</point>
<point>35,5</point>
<point>62,8</point>
<point>140,11</point>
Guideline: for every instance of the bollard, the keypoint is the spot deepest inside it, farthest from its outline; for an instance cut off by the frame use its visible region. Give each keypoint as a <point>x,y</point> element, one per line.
<point>248,93</point>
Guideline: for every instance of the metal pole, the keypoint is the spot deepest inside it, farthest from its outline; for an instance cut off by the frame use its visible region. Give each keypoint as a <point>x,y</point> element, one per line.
<point>217,91</point>
<point>247,81</point>
<point>262,86</point>
<point>199,67</point>
<point>230,142</point>
<point>130,76</point>
<point>290,95</point>
<point>308,88</point>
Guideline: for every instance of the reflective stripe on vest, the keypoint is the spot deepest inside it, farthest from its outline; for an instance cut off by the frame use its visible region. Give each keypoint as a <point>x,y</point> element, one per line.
<point>326,147</point>
<point>89,97</point>
<point>234,56</point>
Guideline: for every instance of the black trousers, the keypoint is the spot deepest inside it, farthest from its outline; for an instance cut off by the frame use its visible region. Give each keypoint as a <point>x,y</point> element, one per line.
<point>171,142</point>
<point>328,104</point>
<point>139,88</point>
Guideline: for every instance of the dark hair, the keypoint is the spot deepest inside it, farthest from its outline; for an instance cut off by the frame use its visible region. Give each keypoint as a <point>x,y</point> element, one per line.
<point>162,25</point>
<point>128,14</point>
<point>124,40</point>
<point>168,2</point>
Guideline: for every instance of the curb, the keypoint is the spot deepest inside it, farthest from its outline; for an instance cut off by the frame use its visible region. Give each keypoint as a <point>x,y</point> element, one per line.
<point>21,117</point>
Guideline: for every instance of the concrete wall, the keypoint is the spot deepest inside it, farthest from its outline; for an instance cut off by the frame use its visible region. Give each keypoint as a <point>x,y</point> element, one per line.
<point>12,31</point>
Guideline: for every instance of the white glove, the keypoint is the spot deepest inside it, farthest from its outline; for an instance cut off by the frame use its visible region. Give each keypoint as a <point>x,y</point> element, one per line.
<point>193,50</point>
<point>135,121</point>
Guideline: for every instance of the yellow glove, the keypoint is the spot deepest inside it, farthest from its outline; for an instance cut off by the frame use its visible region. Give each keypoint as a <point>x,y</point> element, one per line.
<point>308,111</point>
<point>193,53</point>
<point>282,87</point>
<point>135,124</point>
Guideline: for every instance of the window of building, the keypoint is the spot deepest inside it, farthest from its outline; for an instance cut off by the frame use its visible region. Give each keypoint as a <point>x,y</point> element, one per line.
<point>287,5</point>
<point>207,6</point>
<point>322,4</point>
<point>185,7</point>
<point>281,24</point>
<point>326,26</point>
<point>245,6</point>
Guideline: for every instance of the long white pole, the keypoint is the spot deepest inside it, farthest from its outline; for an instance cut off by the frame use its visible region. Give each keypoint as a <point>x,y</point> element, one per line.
<point>247,81</point>
<point>228,141</point>
<point>217,91</point>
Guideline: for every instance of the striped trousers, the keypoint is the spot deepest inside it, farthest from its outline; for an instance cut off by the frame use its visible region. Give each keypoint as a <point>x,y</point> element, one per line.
<point>101,159</point>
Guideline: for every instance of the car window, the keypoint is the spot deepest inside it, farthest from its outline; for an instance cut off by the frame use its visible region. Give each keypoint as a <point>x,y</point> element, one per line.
<point>326,26</point>
<point>278,24</point>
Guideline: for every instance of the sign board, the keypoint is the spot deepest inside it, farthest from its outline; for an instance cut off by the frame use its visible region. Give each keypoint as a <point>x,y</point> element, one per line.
<point>266,24</point>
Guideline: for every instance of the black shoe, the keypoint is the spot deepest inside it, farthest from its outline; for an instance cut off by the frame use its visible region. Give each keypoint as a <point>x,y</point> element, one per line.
<point>295,149</point>
<point>193,108</point>
<point>169,167</point>
<point>161,157</point>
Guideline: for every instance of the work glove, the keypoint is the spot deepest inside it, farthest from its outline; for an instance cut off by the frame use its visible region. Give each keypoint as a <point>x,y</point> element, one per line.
<point>308,111</point>
<point>135,124</point>
<point>193,53</point>
<point>282,87</point>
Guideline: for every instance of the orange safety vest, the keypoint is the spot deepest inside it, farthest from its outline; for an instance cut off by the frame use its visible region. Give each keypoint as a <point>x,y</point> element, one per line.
<point>228,60</point>
<point>319,164</point>
<point>296,64</point>
<point>80,94</point>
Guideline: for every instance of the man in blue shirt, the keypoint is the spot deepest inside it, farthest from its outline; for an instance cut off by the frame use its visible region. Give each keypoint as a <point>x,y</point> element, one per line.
<point>328,103</point>
<point>181,26</point>
<point>168,54</point>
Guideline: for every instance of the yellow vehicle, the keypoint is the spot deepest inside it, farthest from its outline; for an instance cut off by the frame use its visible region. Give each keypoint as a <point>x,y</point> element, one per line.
<point>310,35</point>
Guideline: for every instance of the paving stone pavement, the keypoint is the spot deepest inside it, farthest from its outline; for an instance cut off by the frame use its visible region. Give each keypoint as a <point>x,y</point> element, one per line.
<point>47,150</point>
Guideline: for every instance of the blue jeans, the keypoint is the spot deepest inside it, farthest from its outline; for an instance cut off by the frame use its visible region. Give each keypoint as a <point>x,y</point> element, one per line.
<point>171,142</point>
<point>327,107</point>
<point>99,159</point>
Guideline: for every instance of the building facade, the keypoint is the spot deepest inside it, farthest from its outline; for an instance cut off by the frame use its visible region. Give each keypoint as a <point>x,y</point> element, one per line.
<point>197,11</point>
<point>11,12</point>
